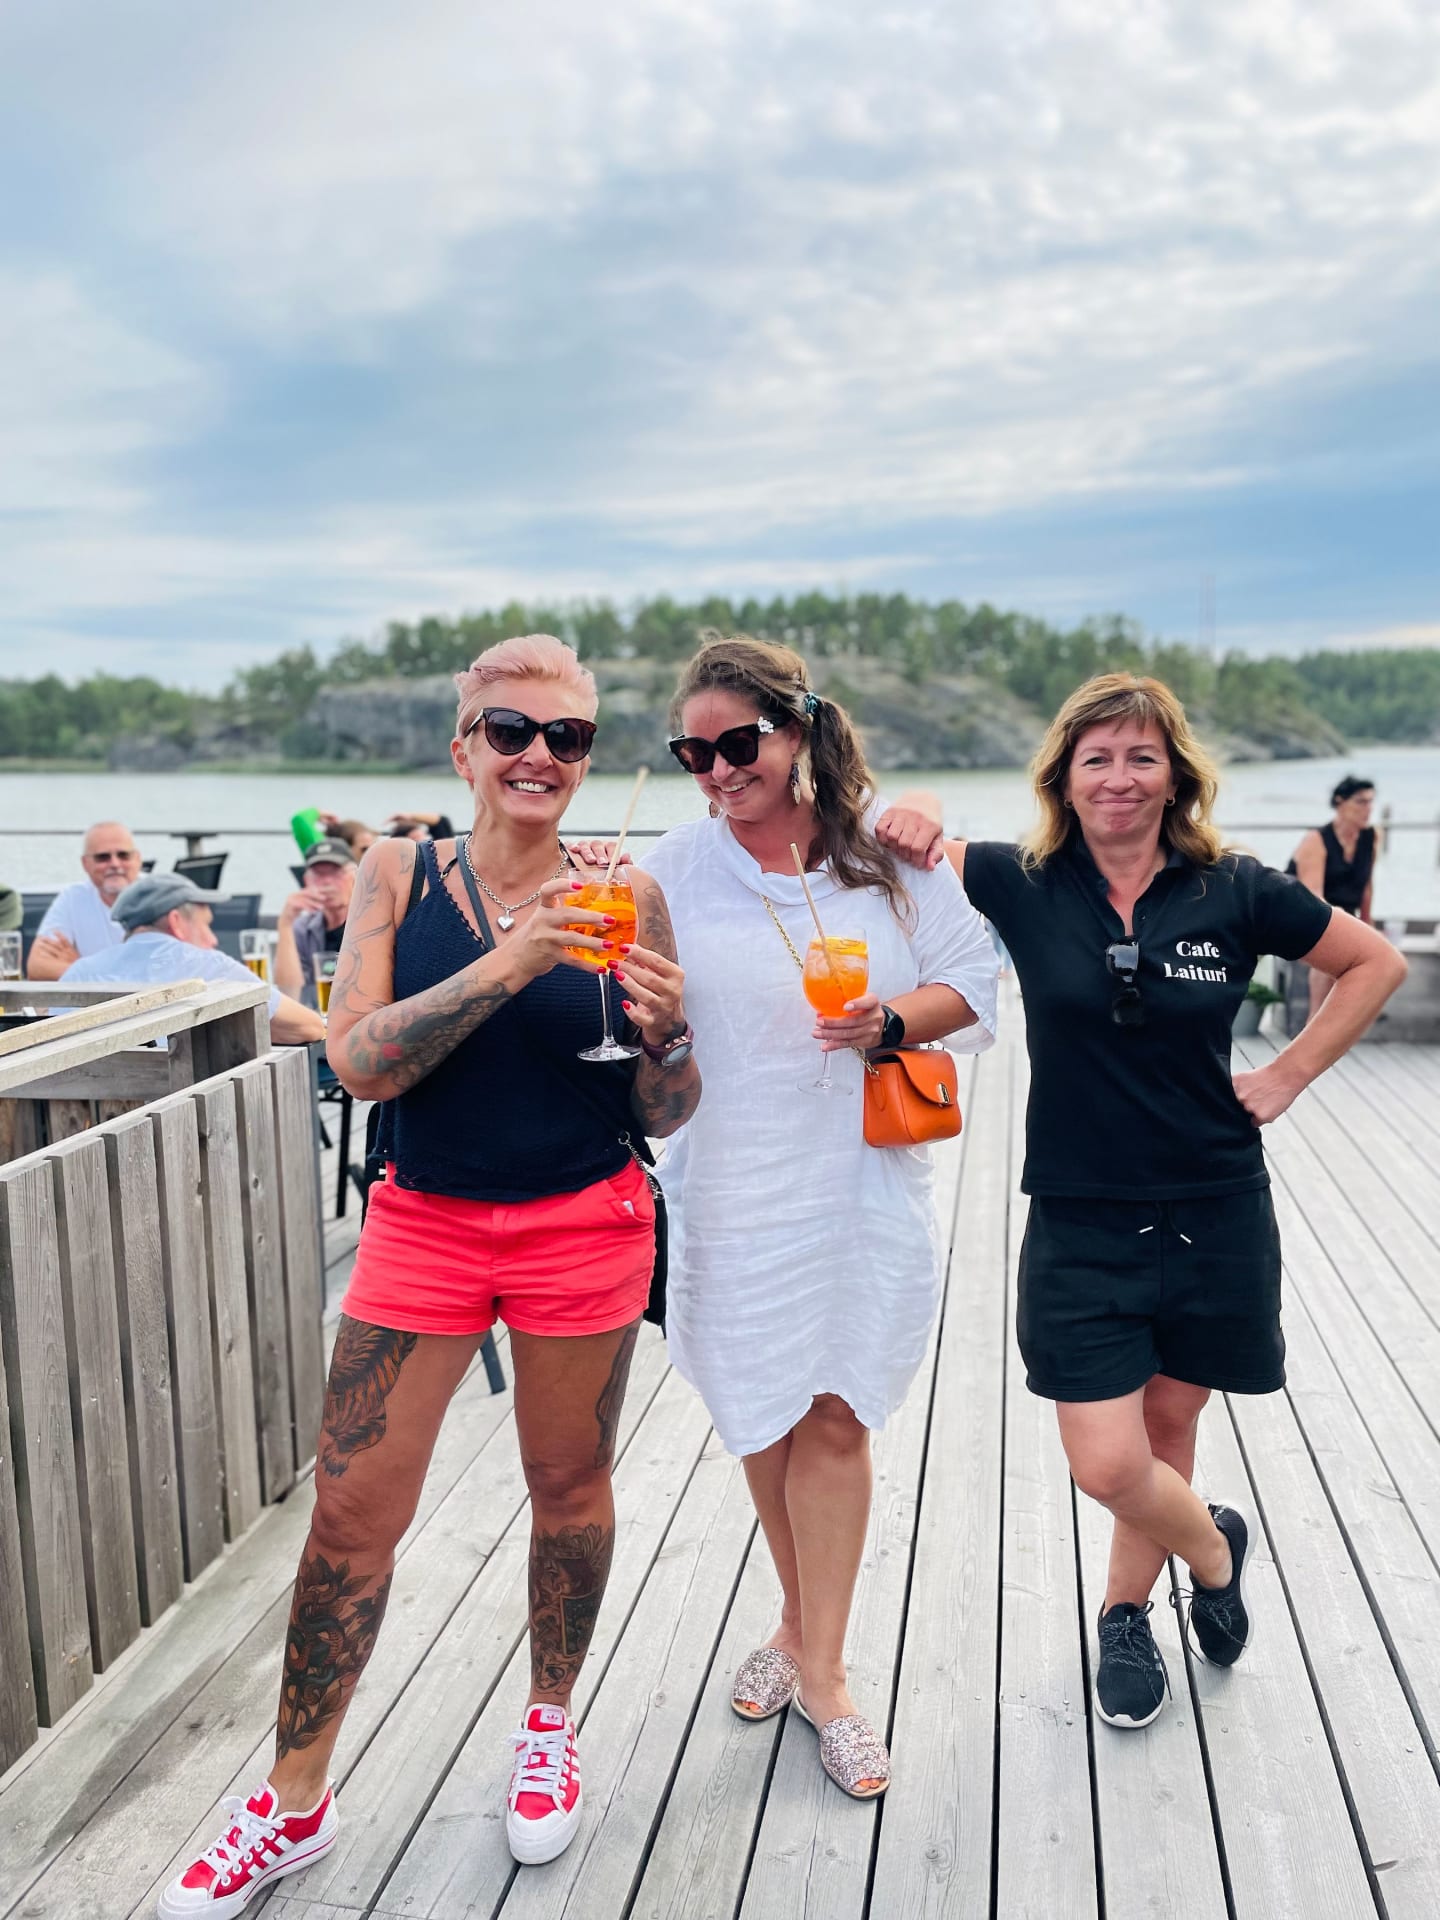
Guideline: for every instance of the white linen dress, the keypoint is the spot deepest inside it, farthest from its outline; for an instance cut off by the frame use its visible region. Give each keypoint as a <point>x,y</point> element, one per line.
<point>801,1260</point>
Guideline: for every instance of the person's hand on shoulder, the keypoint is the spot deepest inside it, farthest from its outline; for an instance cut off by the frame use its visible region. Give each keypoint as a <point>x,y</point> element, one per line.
<point>596,853</point>
<point>913,830</point>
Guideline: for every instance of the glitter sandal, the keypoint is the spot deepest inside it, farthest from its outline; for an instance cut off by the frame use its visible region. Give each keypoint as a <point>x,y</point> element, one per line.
<point>765,1682</point>
<point>852,1753</point>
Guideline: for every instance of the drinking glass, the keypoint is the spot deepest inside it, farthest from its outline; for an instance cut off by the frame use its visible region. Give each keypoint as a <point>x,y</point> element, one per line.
<point>10,945</point>
<point>322,966</point>
<point>255,951</point>
<point>615,898</point>
<point>837,969</point>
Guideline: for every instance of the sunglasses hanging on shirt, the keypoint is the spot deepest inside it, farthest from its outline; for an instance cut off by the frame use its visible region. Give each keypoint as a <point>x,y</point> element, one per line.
<point>1122,957</point>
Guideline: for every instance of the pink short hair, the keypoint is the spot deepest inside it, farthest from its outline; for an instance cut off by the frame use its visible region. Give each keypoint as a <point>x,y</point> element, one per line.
<point>526,656</point>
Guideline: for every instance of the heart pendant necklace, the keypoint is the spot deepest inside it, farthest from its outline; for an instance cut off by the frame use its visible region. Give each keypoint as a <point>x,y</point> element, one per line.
<point>506,917</point>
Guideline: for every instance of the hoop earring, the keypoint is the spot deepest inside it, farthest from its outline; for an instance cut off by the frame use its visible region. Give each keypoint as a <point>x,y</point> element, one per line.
<point>1171,801</point>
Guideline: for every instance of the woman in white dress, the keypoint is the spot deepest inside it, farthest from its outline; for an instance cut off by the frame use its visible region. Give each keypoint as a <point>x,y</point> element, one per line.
<point>804,1264</point>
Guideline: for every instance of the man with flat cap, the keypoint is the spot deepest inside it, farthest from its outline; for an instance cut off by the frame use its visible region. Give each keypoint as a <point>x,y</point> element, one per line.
<point>164,920</point>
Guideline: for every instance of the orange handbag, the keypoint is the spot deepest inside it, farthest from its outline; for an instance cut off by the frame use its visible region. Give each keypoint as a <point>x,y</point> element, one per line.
<point>911,1097</point>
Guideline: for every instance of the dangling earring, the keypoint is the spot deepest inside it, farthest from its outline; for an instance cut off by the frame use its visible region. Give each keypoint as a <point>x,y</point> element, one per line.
<point>714,809</point>
<point>795,782</point>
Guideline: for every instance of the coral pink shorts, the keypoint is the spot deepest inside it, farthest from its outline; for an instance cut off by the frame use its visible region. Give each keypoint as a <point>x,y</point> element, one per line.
<point>572,1263</point>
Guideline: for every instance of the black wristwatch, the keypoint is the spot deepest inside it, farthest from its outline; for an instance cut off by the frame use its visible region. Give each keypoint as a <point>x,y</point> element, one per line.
<point>672,1052</point>
<point>892,1034</point>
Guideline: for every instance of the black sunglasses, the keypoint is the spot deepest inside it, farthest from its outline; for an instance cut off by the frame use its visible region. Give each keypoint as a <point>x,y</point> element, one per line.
<point>737,746</point>
<point>509,732</point>
<point>1122,957</point>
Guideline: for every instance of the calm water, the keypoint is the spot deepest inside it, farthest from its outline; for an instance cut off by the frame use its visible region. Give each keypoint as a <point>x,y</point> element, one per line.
<point>1264,806</point>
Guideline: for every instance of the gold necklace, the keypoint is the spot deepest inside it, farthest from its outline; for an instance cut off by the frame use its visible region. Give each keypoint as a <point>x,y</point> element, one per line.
<point>506,919</point>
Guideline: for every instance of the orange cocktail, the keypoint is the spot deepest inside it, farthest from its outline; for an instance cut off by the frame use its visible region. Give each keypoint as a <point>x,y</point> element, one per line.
<point>600,896</point>
<point>834,973</point>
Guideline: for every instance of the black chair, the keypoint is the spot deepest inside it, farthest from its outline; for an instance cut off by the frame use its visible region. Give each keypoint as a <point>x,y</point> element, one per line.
<point>230,917</point>
<point>204,869</point>
<point>36,905</point>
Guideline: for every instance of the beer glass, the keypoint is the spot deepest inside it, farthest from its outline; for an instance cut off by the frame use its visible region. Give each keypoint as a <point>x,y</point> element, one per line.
<point>322,967</point>
<point>10,945</point>
<point>615,898</point>
<point>255,951</point>
<point>837,969</point>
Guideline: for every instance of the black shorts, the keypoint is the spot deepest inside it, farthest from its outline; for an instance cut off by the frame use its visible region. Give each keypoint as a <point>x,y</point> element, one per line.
<point>1112,1292</point>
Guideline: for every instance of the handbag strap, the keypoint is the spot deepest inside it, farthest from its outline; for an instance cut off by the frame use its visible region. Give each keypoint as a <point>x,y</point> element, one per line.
<point>859,1052</point>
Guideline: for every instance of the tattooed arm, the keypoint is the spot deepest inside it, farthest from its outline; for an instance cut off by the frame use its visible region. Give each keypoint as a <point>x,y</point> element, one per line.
<point>662,1098</point>
<point>380,1046</point>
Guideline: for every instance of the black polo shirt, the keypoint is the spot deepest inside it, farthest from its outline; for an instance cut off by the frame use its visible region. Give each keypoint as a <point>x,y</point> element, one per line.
<point>1145,1112</point>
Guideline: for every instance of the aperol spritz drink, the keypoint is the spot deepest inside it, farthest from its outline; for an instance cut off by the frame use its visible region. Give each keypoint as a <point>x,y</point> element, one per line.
<point>614,897</point>
<point>837,970</point>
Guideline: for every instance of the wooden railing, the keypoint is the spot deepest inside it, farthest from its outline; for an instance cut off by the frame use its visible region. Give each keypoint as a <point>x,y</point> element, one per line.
<point>161,1363</point>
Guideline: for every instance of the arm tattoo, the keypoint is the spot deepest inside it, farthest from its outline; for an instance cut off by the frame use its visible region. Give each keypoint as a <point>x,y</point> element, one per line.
<point>402,1043</point>
<point>363,1369</point>
<point>568,1571</point>
<point>333,1624</point>
<point>612,1397</point>
<point>661,1098</point>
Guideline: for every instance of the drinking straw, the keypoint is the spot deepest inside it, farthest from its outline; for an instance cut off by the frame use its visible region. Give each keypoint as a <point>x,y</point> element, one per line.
<point>641,776</point>
<point>810,899</point>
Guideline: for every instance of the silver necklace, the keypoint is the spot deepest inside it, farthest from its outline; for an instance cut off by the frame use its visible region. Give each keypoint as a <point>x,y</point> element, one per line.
<point>506,919</point>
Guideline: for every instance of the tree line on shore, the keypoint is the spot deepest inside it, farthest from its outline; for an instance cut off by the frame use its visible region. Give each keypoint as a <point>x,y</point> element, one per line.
<point>1379,694</point>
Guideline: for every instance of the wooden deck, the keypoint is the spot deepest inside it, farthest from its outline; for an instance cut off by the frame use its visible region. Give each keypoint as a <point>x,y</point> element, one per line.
<point>1303,1783</point>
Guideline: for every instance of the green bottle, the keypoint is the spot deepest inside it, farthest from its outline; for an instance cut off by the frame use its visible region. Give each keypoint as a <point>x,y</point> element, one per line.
<point>306,828</point>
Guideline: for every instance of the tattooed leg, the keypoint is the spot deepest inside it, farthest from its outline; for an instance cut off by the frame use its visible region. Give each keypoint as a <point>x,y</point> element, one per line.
<point>364,1367</point>
<point>568,1399</point>
<point>334,1619</point>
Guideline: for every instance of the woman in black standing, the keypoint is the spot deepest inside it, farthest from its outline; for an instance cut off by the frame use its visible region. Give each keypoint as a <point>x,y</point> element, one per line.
<point>1149,1276</point>
<point>1337,861</point>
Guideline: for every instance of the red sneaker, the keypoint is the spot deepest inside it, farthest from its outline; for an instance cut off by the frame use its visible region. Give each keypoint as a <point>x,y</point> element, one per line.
<point>257,1848</point>
<point>544,1805</point>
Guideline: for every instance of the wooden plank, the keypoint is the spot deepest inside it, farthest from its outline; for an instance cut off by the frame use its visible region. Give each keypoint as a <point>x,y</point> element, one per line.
<point>934,1858</point>
<point>63,1026</point>
<point>138,1769</point>
<point>97,1395</point>
<point>187,1312</point>
<point>145,1360</point>
<point>1289,1845</point>
<point>300,1216</point>
<point>19,1129</point>
<point>18,1723</point>
<point>32,1329</point>
<point>213,1004</point>
<point>229,1303</point>
<point>65,1118</point>
<point>233,1039</point>
<point>265,1276</point>
<point>456,1862</point>
<point>1389,1774</point>
<point>1045,1830</point>
<point>143,1074</point>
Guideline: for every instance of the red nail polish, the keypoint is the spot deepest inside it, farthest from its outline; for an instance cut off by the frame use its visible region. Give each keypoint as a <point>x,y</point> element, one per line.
<point>628,1006</point>
<point>609,919</point>
<point>624,946</point>
<point>617,973</point>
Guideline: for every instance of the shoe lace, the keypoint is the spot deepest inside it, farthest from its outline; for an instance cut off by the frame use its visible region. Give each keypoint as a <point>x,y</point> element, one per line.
<point>1129,1642</point>
<point>245,1832</point>
<point>542,1767</point>
<point>1215,1604</point>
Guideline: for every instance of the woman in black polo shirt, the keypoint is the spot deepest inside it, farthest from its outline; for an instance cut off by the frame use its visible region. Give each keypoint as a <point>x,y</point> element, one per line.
<point>1150,1270</point>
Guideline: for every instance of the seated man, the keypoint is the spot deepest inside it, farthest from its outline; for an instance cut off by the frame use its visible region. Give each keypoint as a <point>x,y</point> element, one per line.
<point>77,922</point>
<point>313,920</point>
<point>164,922</point>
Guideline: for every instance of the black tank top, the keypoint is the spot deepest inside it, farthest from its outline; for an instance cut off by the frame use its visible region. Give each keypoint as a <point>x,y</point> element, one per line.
<point>506,1116</point>
<point>1346,880</point>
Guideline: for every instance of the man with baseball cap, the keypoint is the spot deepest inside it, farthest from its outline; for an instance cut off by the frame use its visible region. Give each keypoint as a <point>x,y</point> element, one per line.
<point>166,935</point>
<point>312,921</point>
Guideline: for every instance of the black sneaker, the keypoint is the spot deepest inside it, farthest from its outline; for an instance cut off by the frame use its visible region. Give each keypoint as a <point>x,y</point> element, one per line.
<point>1130,1681</point>
<point>1219,1617</point>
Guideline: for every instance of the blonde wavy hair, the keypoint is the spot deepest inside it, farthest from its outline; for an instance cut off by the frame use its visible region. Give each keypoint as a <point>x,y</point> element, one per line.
<point>1108,698</point>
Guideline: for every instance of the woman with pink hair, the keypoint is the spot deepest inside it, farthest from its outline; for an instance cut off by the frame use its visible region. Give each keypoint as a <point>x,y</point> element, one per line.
<point>512,1190</point>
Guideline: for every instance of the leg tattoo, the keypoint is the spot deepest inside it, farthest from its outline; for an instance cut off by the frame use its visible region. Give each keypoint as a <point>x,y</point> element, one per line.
<point>333,1624</point>
<point>612,1397</point>
<point>568,1571</point>
<point>365,1366</point>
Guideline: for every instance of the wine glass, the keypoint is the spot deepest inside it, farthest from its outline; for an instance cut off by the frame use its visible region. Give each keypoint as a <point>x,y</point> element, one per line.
<point>837,969</point>
<point>614,897</point>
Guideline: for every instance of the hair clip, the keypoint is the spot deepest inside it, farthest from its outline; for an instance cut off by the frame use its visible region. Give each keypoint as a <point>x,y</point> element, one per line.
<point>810,703</point>
<point>765,726</point>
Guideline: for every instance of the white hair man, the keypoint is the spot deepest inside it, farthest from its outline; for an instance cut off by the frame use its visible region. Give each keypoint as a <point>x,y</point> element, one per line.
<point>77,922</point>
<point>165,931</point>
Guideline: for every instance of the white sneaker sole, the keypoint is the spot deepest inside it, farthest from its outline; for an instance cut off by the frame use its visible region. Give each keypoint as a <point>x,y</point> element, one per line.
<point>231,1904</point>
<point>533,1849</point>
<point>1123,1721</point>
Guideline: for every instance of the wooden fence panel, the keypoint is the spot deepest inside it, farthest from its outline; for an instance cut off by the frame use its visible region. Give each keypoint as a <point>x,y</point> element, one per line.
<point>300,1217</point>
<point>229,1303</point>
<point>17,1683</point>
<point>187,1309</point>
<point>97,1395</point>
<point>265,1276</point>
<point>32,1327</point>
<point>145,1361</point>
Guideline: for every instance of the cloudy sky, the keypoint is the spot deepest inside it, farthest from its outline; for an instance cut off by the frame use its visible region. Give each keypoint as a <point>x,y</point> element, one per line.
<point>314,315</point>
